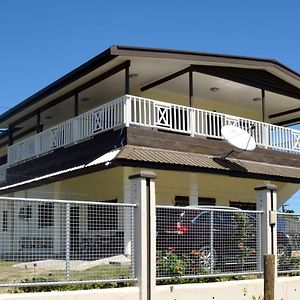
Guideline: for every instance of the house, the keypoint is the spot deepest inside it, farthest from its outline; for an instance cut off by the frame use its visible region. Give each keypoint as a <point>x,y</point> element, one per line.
<point>130,108</point>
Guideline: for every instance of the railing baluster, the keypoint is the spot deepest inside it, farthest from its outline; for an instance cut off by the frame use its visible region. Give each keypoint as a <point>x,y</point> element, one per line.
<point>146,112</point>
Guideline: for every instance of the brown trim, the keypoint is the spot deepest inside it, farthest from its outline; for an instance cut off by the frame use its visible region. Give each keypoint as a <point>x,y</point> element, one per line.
<point>283,113</point>
<point>127,83</point>
<point>62,82</point>
<point>252,78</point>
<point>164,79</point>
<point>289,122</point>
<point>191,87</point>
<point>10,135</point>
<point>203,57</point>
<point>177,142</point>
<point>263,97</point>
<point>114,51</point>
<point>79,89</point>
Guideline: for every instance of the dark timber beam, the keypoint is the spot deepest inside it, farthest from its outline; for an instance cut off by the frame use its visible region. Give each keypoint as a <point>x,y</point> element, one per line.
<point>263,97</point>
<point>10,135</point>
<point>283,113</point>
<point>246,79</point>
<point>191,87</point>
<point>84,86</point>
<point>164,79</point>
<point>289,122</point>
<point>127,87</point>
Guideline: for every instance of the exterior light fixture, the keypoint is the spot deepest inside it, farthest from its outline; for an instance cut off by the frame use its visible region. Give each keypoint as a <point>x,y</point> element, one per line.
<point>48,117</point>
<point>133,75</point>
<point>214,89</point>
<point>257,99</point>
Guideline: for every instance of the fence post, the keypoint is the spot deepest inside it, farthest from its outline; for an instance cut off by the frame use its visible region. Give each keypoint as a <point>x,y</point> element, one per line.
<point>269,277</point>
<point>143,194</point>
<point>67,241</point>
<point>266,201</point>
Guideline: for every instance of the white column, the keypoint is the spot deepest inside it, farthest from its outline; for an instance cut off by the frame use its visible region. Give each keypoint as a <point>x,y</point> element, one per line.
<point>266,201</point>
<point>57,230</point>
<point>143,194</point>
<point>127,216</point>
<point>193,197</point>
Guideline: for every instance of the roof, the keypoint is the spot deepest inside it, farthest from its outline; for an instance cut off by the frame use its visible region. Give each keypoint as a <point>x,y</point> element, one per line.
<point>207,163</point>
<point>130,51</point>
<point>146,157</point>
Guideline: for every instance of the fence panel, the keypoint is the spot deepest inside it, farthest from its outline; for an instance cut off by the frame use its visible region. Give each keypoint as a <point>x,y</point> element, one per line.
<point>53,242</point>
<point>288,242</point>
<point>199,242</point>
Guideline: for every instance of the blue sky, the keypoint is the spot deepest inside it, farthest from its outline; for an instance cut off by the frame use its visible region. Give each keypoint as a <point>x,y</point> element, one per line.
<point>42,40</point>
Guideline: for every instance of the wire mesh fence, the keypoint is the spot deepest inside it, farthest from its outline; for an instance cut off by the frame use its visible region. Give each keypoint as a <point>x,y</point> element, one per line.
<point>54,242</point>
<point>204,242</point>
<point>288,242</point>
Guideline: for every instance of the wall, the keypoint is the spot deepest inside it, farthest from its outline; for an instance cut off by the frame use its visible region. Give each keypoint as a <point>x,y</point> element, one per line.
<point>222,188</point>
<point>113,184</point>
<point>287,288</point>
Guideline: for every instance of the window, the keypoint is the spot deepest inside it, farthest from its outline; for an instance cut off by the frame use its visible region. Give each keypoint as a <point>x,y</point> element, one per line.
<point>181,200</point>
<point>102,217</point>
<point>5,220</point>
<point>46,215</point>
<point>243,205</point>
<point>184,201</point>
<point>25,212</point>
<point>206,201</point>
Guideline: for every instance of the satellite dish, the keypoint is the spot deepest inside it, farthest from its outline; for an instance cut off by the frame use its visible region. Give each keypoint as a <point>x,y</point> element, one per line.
<point>238,138</point>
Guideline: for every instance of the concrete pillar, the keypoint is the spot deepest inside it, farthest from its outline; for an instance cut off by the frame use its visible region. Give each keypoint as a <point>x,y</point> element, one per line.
<point>143,194</point>
<point>127,214</point>
<point>266,201</point>
<point>193,197</point>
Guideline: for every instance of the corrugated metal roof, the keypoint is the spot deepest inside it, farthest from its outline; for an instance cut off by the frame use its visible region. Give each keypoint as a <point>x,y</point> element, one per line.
<point>154,155</point>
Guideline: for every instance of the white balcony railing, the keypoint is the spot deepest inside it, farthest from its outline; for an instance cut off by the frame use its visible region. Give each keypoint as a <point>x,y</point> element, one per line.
<point>3,169</point>
<point>97,120</point>
<point>136,111</point>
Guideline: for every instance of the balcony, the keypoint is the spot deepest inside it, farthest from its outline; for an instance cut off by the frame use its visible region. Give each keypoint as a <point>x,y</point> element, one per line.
<point>141,112</point>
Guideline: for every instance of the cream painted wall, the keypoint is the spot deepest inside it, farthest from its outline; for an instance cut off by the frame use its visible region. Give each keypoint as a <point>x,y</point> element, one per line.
<point>156,94</point>
<point>114,183</point>
<point>103,185</point>
<point>222,188</point>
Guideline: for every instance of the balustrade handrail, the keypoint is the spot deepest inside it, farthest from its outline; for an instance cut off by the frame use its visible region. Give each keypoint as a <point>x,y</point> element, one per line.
<point>199,122</point>
<point>99,119</point>
<point>137,111</point>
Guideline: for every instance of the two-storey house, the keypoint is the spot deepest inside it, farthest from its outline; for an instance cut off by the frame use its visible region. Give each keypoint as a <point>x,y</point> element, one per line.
<point>130,108</point>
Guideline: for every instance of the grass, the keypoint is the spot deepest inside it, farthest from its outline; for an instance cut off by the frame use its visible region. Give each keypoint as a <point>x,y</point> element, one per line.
<point>10,274</point>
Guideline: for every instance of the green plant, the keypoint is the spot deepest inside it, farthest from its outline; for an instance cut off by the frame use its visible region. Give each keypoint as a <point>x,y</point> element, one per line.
<point>244,234</point>
<point>63,287</point>
<point>170,264</point>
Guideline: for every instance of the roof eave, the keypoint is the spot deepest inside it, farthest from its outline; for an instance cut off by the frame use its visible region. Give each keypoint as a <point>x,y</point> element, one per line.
<point>70,77</point>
